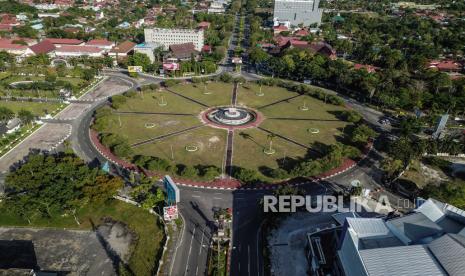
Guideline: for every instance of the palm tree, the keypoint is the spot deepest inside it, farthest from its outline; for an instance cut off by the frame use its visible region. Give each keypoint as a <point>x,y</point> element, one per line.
<point>25,116</point>
<point>270,149</point>
<point>6,114</point>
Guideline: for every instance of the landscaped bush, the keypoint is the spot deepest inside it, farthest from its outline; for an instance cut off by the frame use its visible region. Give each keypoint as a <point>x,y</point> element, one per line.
<point>117,101</point>
<point>117,144</point>
<point>187,171</point>
<point>169,83</point>
<point>246,175</point>
<point>210,172</point>
<point>159,164</point>
<point>351,116</point>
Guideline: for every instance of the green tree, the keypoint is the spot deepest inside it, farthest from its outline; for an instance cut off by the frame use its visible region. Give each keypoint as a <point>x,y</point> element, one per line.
<point>362,133</point>
<point>25,116</point>
<point>6,114</point>
<point>140,59</point>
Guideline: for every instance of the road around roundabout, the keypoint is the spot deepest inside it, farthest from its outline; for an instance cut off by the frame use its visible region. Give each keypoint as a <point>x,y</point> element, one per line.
<point>197,203</point>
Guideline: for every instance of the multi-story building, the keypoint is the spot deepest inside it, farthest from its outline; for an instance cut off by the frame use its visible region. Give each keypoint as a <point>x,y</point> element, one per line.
<point>167,37</point>
<point>297,12</point>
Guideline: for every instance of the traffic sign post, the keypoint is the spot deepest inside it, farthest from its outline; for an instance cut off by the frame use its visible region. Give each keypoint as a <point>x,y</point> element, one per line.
<point>170,213</point>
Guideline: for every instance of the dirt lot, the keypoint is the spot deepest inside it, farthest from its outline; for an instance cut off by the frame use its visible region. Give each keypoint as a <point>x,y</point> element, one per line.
<point>80,252</point>
<point>288,242</point>
<point>107,88</point>
<point>46,138</point>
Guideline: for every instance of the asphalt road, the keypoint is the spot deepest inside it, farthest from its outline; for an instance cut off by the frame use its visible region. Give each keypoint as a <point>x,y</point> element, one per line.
<point>196,208</point>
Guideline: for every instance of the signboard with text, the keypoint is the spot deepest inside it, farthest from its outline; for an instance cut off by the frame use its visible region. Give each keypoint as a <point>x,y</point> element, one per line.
<point>170,213</point>
<point>135,69</point>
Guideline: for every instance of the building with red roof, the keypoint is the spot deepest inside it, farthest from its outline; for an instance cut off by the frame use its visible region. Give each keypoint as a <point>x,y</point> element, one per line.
<point>58,42</point>
<point>8,21</point>
<point>122,50</point>
<point>302,32</point>
<point>10,47</point>
<point>445,65</point>
<point>183,51</point>
<point>101,43</point>
<point>203,25</point>
<point>279,29</point>
<point>43,47</point>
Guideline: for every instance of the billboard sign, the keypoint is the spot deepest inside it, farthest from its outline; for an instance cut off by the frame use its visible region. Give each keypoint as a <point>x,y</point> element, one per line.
<point>172,191</point>
<point>170,213</point>
<point>135,69</point>
<point>171,66</point>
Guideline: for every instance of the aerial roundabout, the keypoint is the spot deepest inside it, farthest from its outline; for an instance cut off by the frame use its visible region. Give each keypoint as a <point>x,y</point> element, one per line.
<point>248,127</point>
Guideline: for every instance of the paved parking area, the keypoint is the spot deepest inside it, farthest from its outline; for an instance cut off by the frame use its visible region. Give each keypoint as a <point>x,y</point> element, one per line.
<point>80,252</point>
<point>107,88</point>
<point>47,137</point>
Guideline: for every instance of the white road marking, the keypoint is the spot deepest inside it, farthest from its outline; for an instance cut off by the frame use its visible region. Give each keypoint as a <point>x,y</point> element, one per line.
<point>200,250</point>
<point>190,249</point>
<point>195,196</point>
<point>179,244</point>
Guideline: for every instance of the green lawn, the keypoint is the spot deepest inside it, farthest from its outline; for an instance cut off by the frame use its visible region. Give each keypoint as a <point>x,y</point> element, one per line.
<point>210,142</point>
<point>150,102</point>
<point>247,95</point>
<point>78,82</point>
<point>248,150</point>
<point>319,115</point>
<point>147,227</point>
<point>36,108</point>
<point>221,93</point>
<point>133,126</point>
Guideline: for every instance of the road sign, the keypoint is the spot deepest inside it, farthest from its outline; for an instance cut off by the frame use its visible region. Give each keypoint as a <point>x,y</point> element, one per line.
<point>172,191</point>
<point>170,213</point>
<point>135,69</point>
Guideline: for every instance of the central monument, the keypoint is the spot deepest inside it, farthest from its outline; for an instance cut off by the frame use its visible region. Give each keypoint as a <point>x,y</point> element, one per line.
<point>231,116</point>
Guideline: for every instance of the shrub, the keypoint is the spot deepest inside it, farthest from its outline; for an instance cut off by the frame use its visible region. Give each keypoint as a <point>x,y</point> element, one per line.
<point>351,116</point>
<point>188,171</point>
<point>279,173</point>
<point>117,101</point>
<point>211,172</point>
<point>122,150</point>
<point>246,175</point>
<point>158,164</point>
<point>169,83</point>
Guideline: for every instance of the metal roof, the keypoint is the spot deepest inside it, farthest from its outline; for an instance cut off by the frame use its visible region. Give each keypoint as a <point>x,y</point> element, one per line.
<point>449,250</point>
<point>400,260</point>
<point>431,210</point>
<point>415,226</point>
<point>368,227</point>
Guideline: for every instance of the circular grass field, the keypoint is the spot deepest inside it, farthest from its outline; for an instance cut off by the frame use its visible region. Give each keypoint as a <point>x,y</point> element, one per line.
<point>293,126</point>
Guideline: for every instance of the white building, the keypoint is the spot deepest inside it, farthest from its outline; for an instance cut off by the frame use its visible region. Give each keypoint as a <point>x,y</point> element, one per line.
<point>216,7</point>
<point>78,51</point>
<point>147,49</point>
<point>167,37</point>
<point>297,12</point>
